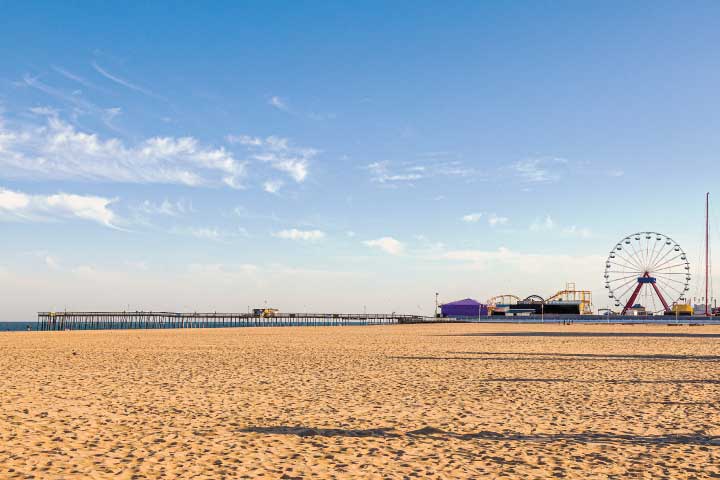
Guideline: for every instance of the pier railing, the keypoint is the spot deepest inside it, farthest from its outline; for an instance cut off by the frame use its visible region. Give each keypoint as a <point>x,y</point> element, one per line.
<point>157,320</point>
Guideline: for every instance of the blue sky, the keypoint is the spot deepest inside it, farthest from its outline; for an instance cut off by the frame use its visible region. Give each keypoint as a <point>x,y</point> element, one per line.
<point>337,156</point>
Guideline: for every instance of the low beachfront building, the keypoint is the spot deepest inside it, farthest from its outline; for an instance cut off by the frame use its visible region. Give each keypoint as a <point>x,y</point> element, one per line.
<point>463,308</point>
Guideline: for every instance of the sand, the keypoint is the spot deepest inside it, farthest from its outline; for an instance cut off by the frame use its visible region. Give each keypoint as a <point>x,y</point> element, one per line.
<point>415,401</point>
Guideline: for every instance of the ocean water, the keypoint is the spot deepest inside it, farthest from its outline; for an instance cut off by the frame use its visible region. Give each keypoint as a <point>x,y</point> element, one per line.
<point>16,326</point>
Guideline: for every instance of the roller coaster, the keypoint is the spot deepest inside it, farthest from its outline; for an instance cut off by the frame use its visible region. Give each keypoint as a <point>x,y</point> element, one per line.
<point>569,295</point>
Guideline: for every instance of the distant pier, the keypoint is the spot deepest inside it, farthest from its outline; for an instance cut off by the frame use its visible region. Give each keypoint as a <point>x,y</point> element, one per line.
<point>58,321</point>
<point>48,321</point>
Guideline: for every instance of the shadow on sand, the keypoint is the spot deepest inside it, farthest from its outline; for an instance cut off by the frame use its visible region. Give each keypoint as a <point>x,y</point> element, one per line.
<point>563,357</point>
<point>701,381</point>
<point>596,356</point>
<point>323,432</point>
<point>586,334</point>
<point>435,433</point>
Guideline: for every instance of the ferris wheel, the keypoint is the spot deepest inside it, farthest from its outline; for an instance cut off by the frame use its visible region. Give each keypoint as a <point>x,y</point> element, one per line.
<point>648,268</point>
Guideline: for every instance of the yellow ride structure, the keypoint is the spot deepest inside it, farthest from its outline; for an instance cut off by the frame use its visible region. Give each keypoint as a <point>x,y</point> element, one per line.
<point>572,294</point>
<point>681,309</point>
<point>569,294</point>
<point>505,299</point>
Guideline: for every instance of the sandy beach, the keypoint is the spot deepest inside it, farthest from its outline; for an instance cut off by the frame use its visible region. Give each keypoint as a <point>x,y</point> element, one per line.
<point>415,401</point>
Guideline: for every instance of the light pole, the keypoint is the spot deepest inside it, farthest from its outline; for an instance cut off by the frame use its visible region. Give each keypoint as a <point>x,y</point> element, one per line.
<point>436,304</point>
<point>542,312</point>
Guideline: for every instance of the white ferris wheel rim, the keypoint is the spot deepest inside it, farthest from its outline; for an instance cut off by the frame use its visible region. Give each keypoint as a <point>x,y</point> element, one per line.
<point>647,254</point>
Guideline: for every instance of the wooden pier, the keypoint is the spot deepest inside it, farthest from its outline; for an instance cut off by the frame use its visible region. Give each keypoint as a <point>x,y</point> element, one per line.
<point>155,320</point>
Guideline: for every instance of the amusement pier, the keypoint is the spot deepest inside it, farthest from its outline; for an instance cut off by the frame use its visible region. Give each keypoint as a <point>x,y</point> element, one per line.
<point>646,276</point>
<point>259,318</point>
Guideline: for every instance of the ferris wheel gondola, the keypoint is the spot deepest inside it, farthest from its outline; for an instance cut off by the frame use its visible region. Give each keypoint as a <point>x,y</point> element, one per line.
<point>648,268</point>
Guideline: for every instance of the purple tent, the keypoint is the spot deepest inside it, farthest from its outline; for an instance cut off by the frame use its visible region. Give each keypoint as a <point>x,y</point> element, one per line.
<point>463,308</point>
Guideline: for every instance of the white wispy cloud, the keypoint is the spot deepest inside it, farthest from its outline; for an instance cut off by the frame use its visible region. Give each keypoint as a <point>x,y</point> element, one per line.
<point>472,217</point>
<point>295,234</point>
<point>121,81</point>
<point>540,170</point>
<point>111,113</point>
<point>547,224</point>
<point>542,224</point>
<point>206,233</point>
<point>245,213</point>
<point>272,186</point>
<point>166,207</point>
<point>494,220</point>
<point>279,153</point>
<point>51,262</point>
<point>215,234</point>
<point>387,244</point>
<point>79,104</point>
<point>56,149</point>
<point>278,103</point>
<point>577,231</point>
<point>283,105</point>
<point>21,206</point>
<point>77,101</point>
<point>388,173</point>
<point>381,173</point>
<point>520,261</point>
<point>76,78</point>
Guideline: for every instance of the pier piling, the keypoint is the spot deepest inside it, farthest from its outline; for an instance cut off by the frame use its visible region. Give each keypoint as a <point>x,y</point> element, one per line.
<point>49,321</point>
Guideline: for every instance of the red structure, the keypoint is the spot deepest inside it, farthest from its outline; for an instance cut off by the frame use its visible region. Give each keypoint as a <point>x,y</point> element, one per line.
<point>646,279</point>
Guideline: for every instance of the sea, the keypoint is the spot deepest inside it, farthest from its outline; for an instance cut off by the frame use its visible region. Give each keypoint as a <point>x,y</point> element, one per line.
<point>17,326</point>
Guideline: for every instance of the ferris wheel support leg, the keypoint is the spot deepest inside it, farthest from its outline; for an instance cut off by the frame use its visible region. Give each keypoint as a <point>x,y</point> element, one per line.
<point>662,299</point>
<point>632,299</point>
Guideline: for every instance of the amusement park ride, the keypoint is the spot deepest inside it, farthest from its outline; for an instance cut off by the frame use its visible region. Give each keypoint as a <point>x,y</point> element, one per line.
<point>583,299</point>
<point>646,272</point>
<point>648,267</point>
<point>652,269</point>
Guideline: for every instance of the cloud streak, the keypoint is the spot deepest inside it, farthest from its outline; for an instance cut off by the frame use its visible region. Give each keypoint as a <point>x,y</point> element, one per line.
<point>540,170</point>
<point>547,224</point>
<point>77,78</point>
<point>166,207</point>
<point>303,235</point>
<point>123,82</point>
<point>492,219</point>
<point>57,150</point>
<point>278,103</point>
<point>24,207</point>
<point>390,174</point>
<point>526,262</point>
<point>472,217</point>
<point>272,186</point>
<point>495,220</point>
<point>279,153</point>
<point>387,245</point>
<point>542,225</point>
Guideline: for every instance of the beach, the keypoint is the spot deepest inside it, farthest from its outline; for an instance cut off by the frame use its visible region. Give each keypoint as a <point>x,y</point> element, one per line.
<point>401,401</point>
